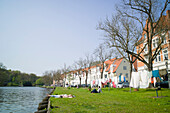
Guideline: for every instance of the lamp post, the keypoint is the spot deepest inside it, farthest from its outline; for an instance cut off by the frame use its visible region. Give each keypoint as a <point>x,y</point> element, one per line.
<point>166,64</point>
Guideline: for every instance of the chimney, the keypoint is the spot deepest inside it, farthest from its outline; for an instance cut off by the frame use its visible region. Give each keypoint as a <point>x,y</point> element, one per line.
<point>168,13</point>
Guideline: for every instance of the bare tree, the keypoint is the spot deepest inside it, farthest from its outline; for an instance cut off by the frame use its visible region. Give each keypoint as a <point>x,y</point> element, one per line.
<point>57,76</point>
<point>79,65</point>
<point>47,78</point>
<point>64,71</point>
<point>103,53</point>
<point>69,78</point>
<point>88,61</point>
<point>121,33</point>
<point>152,12</point>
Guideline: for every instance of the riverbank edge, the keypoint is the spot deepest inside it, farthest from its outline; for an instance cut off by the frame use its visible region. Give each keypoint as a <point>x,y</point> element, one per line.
<point>44,106</point>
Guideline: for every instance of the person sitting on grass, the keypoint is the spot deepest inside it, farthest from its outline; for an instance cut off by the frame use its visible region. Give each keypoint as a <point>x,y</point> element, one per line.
<point>97,91</point>
<point>62,96</point>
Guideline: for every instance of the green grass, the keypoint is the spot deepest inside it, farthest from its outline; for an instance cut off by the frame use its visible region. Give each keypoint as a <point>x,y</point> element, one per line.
<point>113,101</point>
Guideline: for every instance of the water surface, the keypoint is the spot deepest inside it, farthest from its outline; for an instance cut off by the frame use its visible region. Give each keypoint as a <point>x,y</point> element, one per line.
<point>21,99</point>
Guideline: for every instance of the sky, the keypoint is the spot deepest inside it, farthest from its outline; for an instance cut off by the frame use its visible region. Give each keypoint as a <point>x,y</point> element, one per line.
<point>41,35</point>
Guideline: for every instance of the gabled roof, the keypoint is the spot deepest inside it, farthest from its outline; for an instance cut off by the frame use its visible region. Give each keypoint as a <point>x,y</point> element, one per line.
<point>110,61</point>
<point>113,61</point>
<point>117,63</point>
<point>108,64</point>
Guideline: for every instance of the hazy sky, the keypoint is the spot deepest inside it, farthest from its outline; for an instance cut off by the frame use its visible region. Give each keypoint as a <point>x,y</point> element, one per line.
<point>40,35</point>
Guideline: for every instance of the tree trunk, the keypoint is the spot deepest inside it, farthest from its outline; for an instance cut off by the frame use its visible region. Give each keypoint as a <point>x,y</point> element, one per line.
<point>86,78</point>
<point>64,82</point>
<point>80,81</point>
<point>150,56</point>
<point>102,71</point>
<point>150,67</point>
<point>130,75</point>
<point>102,75</point>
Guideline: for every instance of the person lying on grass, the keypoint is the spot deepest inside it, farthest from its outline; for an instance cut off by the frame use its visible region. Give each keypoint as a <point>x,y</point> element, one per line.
<point>62,96</point>
<point>97,91</point>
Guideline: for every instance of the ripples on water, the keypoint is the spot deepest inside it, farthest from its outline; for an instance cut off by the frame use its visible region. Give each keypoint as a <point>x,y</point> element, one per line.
<point>21,99</point>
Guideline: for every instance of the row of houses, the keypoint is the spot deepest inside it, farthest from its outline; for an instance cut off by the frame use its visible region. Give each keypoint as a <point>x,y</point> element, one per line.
<point>115,70</point>
<point>118,69</point>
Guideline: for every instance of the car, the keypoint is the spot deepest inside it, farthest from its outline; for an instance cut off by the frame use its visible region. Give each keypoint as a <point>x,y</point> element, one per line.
<point>125,84</point>
<point>120,85</point>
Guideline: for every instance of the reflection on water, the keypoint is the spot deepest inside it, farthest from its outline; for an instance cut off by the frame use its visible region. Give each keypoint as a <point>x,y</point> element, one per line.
<point>21,99</point>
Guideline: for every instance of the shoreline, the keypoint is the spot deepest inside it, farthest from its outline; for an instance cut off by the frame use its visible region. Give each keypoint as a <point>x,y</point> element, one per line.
<point>44,106</point>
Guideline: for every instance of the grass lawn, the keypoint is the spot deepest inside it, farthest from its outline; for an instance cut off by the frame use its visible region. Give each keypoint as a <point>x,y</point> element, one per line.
<point>113,101</point>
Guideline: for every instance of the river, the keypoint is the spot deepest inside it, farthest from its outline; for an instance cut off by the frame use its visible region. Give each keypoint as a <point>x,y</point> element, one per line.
<point>21,99</point>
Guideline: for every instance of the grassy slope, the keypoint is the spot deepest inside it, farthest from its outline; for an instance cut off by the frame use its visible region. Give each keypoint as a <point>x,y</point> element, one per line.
<point>115,100</point>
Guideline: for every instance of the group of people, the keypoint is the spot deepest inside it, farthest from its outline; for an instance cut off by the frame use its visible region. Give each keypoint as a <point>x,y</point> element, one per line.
<point>72,96</point>
<point>62,96</point>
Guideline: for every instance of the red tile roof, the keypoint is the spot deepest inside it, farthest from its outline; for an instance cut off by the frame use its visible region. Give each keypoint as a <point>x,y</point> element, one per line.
<point>108,64</point>
<point>113,61</point>
<point>110,61</point>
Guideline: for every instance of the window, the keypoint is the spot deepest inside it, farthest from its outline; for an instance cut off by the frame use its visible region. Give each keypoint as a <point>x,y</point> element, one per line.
<point>105,76</point>
<point>145,36</point>
<point>164,40</point>
<point>126,75</point>
<point>163,37</point>
<point>158,58</point>
<point>124,68</point>
<point>155,42</point>
<point>165,53</point>
<point>154,45</point>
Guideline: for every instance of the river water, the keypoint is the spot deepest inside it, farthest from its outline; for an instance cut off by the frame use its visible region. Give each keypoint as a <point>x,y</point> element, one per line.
<point>21,99</point>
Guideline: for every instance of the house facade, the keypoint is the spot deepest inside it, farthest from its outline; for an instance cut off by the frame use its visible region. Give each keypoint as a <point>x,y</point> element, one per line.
<point>164,56</point>
<point>161,63</point>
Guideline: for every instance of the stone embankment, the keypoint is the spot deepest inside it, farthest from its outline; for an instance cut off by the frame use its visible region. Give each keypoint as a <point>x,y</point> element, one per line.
<point>44,106</point>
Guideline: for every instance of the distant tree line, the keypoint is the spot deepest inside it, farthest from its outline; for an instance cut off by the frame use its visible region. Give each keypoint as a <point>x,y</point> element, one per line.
<point>17,78</point>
